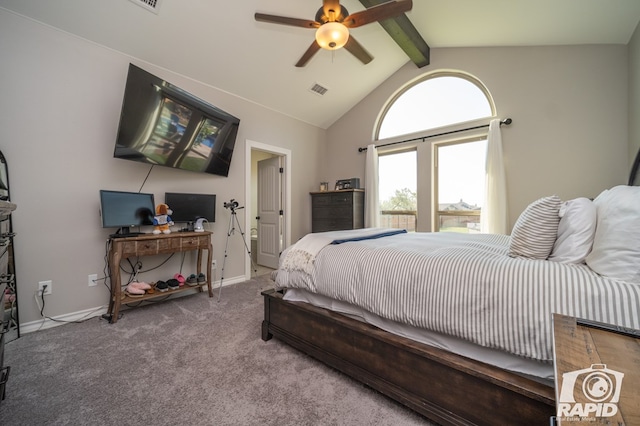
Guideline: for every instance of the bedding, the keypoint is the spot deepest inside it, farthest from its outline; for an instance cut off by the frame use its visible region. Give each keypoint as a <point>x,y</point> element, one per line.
<point>536,229</point>
<point>576,231</point>
<point>616,245</point>
<point>462,285</point>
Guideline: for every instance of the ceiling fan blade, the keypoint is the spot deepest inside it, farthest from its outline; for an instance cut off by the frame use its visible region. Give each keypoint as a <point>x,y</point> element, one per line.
<point>284,20</point>
<point>379,12</point>
<point>357,50</point>
<point>308,54</point>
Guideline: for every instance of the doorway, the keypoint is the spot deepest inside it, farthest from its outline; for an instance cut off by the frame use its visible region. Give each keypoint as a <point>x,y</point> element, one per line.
<point>267,218</point>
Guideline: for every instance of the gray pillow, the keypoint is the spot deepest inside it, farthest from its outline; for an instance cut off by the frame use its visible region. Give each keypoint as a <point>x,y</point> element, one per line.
<point>536,229</point>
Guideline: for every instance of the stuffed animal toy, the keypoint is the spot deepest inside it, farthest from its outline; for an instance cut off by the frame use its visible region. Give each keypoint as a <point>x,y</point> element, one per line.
<point>162,220</point>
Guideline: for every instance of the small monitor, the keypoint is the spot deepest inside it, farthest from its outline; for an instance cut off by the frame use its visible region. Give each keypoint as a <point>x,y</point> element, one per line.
<point>124,210</point>
<point>189,207</point>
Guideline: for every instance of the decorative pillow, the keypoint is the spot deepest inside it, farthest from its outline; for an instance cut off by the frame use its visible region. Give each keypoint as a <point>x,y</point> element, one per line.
<point>616,246</point>
<point>536,229</point>
<point>575,232</point>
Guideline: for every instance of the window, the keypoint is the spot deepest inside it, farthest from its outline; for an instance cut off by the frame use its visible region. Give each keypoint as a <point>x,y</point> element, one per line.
<point>459,182</point>
<point>437,101</point>
<point>436,104</point>
<point>397,190</point>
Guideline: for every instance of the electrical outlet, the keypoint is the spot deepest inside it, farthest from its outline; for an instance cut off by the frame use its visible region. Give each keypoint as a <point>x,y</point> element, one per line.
<point>49,288</point>
<point>214,264</point>
<point>93,280</point>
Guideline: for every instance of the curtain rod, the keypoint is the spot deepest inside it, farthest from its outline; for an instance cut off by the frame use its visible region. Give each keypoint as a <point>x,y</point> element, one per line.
<point>506,121</point>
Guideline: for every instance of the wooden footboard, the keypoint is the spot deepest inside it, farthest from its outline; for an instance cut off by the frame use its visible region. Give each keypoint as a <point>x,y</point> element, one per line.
<point>444,387</point>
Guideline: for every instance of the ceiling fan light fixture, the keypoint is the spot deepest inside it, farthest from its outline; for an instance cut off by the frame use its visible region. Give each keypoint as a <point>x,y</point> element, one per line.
<point>332,35</point>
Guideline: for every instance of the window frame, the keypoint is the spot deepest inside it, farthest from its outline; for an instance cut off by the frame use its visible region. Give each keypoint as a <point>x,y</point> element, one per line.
<point>475,128</point>
<point>429,76</point>
<point>436,213</point>
<point>414,213</point>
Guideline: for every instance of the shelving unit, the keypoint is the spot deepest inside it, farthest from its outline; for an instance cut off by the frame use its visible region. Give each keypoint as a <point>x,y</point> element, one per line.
<point>9,319</point>
<point>125,299</point>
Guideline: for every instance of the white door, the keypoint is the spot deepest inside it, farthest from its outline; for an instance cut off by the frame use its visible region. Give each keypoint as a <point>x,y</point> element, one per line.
<point>269,208</point>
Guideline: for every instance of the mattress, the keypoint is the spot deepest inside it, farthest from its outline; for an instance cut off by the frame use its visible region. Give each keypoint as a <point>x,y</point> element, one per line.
<point>460,285</point>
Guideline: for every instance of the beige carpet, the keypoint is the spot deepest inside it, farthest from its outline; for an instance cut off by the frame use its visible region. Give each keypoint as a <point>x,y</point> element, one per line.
<point>186,361</point>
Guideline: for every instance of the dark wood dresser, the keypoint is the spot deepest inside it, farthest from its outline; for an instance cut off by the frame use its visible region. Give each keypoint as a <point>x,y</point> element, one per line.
<point>337,210</point>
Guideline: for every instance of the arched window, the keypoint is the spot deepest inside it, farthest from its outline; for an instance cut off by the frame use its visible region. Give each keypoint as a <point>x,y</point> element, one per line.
<point>436,100</point>
<point>442,101</point>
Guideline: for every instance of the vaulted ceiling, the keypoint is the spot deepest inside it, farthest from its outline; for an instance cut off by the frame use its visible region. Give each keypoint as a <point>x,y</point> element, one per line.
<point>221,44</point>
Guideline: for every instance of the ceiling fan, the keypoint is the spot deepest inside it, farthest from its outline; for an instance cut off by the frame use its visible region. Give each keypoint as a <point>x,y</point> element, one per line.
<point>332,23</point>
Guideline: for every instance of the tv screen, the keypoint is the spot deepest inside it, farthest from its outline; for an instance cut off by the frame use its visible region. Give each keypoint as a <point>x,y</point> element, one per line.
<point>124,210</point>
<point>189,207</point>
<point>165,125</point>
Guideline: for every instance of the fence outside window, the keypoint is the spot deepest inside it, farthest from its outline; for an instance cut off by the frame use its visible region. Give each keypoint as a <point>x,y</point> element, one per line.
<point>401,219</point>
<point>464,221</point>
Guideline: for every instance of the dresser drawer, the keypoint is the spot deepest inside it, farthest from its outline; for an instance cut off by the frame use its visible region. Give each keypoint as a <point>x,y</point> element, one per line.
<point>331,199</point>
<point>145,247</point>
<point>331,225</point>
<point>320,200</point>
<point>333,211</point>
<point>190,243</point>
<point>341,199</point>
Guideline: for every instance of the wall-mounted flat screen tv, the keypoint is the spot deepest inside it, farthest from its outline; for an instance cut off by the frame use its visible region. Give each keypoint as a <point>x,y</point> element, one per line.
<point>165,125</point>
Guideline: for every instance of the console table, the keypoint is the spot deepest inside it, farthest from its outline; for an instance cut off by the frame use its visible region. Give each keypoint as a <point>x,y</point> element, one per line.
<point>149,245</point>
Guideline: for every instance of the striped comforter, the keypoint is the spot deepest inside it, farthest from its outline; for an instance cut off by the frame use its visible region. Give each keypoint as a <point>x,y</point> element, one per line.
<point>466,286</point>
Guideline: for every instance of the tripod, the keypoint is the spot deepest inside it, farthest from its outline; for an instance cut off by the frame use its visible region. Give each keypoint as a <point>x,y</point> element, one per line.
<point>233,219</point>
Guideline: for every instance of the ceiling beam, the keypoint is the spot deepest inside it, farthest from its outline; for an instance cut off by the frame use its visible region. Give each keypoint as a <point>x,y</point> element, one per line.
<point>405,35</point>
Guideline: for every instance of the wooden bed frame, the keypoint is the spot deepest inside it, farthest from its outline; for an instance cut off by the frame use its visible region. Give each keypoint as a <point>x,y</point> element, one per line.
<point>444,387</point>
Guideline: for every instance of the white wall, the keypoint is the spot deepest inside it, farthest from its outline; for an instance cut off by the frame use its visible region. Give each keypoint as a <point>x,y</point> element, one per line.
<point>59,112</point>
<point>569,108</point>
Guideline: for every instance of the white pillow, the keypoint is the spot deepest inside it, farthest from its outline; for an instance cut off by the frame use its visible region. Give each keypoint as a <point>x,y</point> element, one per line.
<point>536,229</point>
<point>575,232</point>
<point>616,246</point>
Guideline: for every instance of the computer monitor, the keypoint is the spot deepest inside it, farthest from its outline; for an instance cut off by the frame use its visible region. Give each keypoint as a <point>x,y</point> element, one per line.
<point>124,210</point>
<point>189,207</point>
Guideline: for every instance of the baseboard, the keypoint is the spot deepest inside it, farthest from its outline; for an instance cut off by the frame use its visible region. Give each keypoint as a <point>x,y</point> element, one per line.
<point>43,324</point>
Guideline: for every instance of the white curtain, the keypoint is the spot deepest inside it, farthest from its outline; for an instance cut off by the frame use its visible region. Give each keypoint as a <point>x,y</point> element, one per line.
<point>493,219</point>
<point>371,198</point>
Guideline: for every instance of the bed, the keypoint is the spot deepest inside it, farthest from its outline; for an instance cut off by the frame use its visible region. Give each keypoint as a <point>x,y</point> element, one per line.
<point>459,327</point>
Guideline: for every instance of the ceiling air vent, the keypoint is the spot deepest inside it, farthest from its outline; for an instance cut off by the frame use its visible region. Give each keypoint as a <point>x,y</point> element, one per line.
<point>318,89</point>
<point>151,5</point>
